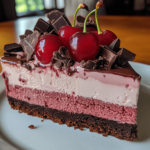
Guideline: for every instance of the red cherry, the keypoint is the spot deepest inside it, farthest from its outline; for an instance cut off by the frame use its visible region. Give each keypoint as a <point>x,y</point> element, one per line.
<point>83,46</point>
<point>66,32</point>
<point>106,38</point>
<point>46,45</point>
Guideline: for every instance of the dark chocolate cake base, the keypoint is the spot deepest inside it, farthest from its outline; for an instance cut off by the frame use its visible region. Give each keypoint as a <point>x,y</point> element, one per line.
<point>95,124</point>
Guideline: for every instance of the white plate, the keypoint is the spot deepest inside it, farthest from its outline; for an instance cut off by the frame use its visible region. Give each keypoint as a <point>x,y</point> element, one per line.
<point>51,136</point>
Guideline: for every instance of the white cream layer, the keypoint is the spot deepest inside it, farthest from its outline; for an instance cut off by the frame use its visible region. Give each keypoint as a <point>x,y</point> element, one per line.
<point>50,80</point>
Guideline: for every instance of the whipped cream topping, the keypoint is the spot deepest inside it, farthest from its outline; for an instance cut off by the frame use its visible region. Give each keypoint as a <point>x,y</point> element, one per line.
<point>109,88</point>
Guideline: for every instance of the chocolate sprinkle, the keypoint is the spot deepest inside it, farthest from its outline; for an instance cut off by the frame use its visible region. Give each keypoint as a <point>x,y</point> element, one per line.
<point>13,47</point>
<point>42,26</point>
<point>108,55</point>
<point>28,44</point>
<point>92,64</point>
<point>115,45</point>
<point>80,22</point>
<point>124,56</point>
<point>62,58</point>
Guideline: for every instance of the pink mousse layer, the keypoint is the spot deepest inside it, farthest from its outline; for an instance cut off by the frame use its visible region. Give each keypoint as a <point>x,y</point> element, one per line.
<point>72,104</point>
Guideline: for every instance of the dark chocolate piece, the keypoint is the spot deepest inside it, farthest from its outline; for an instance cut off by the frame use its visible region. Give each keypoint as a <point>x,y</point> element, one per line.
<point>108,55</point>
<point>28,32</point>
<point>42,26</point>
<point>80,22</point>
<point>28,44</point>
<point>62,58</point>
<point>14,47</point>
<point>9,54</point>
<point>57,19</point>
<point>124,56</point>
<point>93,64</point>
<point>115,45</point>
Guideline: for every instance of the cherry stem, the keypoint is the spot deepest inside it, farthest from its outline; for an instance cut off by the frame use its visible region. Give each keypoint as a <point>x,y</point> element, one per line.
<point>74,19</point>
<point>81,6</point>
<point>86,19</point>
<point>97,24</point>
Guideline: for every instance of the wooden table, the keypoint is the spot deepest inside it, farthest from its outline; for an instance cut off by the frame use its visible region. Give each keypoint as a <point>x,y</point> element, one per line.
<point>134,32</point>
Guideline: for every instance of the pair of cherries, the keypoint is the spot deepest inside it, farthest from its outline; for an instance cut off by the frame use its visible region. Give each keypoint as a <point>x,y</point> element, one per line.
<point>82,45</point>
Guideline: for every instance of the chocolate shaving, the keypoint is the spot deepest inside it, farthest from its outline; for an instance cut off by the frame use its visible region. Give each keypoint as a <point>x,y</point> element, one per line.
<point>28,44</point>
<point>92,64</point>
<point>80,22</point>
<point>62,58</point>
<point>57,19</point>
<point>42,26</point>
<point>108,55</point>
<point>115,45</point>
<point>124,56</point>
<point>13,47</point>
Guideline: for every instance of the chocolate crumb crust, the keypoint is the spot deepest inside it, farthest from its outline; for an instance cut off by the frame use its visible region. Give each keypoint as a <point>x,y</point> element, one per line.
<point>79,121</point>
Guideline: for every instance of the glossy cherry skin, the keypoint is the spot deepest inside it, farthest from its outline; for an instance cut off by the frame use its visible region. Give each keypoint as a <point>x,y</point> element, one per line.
<point>65,32</point>
<point>83,46</point>
<point>46,45</point>
<point>106,38</point>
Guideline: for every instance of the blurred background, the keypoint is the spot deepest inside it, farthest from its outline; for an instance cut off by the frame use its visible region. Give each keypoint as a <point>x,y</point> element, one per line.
<point>13,9</point>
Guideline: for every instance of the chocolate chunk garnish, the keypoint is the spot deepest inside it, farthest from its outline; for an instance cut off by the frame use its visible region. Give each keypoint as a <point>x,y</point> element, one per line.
<point>93,64</point>
<point>124,56</point>
<point>80,22</point>
<point>57,19</point>
<point>115,45</point>
<point>28,44</point>
<point>28,32</point>
<point>42,26</point>
<point>9,54</point>
<point>14,47</point>
<point>108,55</point>
<point>62,58</point>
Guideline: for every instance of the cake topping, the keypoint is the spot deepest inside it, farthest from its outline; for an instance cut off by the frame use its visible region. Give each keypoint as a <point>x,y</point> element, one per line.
<point>62,58</point>
<point>93,64</point>
<point>42,26</point>
<point>124,56</point>
<point>57,19</point>
<point>46,45</point>
<point>115,45</point>
<point>13,47</point>
<point>65,32</point>
<point>28,44</point>
<point>80,22</point>
<point>27,32</point>
<point>108,55</point>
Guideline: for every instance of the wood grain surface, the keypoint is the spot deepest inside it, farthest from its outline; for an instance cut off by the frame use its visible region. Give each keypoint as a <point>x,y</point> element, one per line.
<point>134,32</point>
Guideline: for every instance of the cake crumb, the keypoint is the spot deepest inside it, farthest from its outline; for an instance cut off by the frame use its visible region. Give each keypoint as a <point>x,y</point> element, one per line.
<point>20,111</point>
<point>31,127</point>
<point>42,120</point>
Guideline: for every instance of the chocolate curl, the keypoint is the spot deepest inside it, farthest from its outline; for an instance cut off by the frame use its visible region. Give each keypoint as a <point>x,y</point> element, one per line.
<point>108,55</point>
<point>62,58</point>
<point>124,56</point>
<point>80,21</point>
<point>92,64</point>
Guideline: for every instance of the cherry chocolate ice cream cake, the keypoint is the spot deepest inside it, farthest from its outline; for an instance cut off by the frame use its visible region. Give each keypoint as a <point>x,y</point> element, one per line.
<point>74,77</point>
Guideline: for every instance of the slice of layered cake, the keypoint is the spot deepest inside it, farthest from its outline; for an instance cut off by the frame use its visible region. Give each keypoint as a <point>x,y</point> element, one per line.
<point>85,86</point>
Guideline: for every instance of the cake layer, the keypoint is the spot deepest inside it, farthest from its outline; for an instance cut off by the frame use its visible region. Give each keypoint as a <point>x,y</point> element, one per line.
<point>95,124</point>
<point>74,104</point>
<point>109,88</point>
